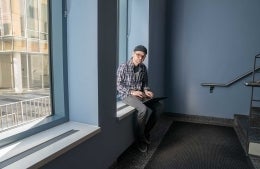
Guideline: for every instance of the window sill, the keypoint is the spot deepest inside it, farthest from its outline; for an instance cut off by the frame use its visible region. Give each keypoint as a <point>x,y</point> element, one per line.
<point>123,110</point>
<point>37,150</point>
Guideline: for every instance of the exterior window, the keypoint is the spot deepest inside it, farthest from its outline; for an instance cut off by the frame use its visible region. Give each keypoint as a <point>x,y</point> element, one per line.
<point>123,30</point>
<point>29,82</point>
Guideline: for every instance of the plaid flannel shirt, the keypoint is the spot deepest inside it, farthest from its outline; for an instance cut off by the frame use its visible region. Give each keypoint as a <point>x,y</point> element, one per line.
<point>126,80</point>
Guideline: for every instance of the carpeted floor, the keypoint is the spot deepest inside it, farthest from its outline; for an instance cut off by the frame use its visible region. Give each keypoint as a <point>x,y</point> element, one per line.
<point>134,159</point>
<point>199,146</point>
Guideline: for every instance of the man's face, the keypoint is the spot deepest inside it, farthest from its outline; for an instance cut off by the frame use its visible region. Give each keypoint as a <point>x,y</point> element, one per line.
<point>138,57</point>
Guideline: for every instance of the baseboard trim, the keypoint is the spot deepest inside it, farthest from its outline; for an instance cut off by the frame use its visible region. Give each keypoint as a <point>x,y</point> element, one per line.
<point>201,119</point>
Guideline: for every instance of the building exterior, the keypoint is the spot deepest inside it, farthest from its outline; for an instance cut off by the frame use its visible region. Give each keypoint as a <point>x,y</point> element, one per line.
<point>24,62</point>
<point>24,59</point>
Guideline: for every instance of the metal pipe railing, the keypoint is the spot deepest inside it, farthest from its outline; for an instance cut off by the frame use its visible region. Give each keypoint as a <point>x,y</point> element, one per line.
<point>238,78</point>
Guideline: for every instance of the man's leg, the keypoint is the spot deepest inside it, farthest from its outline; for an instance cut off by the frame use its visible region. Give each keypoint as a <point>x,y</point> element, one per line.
<point>142,114</point>
<point>157,109</point>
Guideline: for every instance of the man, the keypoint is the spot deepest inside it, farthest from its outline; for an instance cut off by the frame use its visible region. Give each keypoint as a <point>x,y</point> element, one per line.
<point>133,89</point>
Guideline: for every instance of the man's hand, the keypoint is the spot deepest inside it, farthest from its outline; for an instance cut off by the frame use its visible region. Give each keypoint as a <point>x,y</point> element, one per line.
<point>148,93</point>
<point>138,93</point>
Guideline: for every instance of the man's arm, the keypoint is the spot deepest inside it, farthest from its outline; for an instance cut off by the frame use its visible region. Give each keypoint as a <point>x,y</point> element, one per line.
<point>145,80</point>
<point>148,93</point>
<point>121,86</point>
<point>146,88</point>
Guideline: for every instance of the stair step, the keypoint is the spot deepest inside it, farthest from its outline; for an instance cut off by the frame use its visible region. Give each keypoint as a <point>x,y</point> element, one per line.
<point>242,123</point>
<point>254,141</point>
<point>254,149</point>
<point>254,135</point>
<point>255,117</point>
<point>255,109</point>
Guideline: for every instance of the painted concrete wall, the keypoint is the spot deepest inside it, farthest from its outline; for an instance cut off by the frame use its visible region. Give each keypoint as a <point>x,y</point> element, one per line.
<point>157,26</point>
<point>210,41</point>
<point>83,61</point>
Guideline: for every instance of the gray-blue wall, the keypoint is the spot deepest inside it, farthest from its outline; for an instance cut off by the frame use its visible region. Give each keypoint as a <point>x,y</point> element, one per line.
<point>156,70</point>
<point>210,41</point>
<point>189,42</point>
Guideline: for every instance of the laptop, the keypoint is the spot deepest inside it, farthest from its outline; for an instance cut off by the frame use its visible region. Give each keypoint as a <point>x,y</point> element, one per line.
<point>149,101</point>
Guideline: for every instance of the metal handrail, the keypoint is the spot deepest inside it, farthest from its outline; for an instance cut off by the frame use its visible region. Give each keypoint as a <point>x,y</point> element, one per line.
<point>238,78</point>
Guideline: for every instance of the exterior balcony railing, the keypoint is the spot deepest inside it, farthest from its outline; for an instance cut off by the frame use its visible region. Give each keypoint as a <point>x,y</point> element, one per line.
<point>18,113</point>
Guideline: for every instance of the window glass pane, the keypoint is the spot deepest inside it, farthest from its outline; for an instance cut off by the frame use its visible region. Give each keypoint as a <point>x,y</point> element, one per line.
<point>122,34</point>
<point>32,77</point>
<point>25,75</point>
<point>27,67</point>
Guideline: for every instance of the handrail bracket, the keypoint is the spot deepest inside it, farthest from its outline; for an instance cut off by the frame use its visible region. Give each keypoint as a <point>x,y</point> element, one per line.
<point>211,88</point>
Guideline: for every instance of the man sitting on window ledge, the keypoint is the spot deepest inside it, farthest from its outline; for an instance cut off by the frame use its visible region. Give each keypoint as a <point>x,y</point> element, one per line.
<point>132,87</point>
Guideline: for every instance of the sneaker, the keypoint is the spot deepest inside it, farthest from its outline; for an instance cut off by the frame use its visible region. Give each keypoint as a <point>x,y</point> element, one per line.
<point>147,140</point>
<point>142,147</point>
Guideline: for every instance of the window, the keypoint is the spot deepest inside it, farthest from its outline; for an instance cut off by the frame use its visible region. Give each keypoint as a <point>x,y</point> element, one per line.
<point>123,30</point>
<point>33,63</point>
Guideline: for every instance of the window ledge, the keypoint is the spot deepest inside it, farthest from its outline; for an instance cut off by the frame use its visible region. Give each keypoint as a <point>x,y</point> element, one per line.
<point>123,110</point>
<point>37,150</point>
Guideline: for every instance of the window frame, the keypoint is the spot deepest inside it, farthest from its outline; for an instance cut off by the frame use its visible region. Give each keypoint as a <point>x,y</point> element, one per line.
<point>58,73</point>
